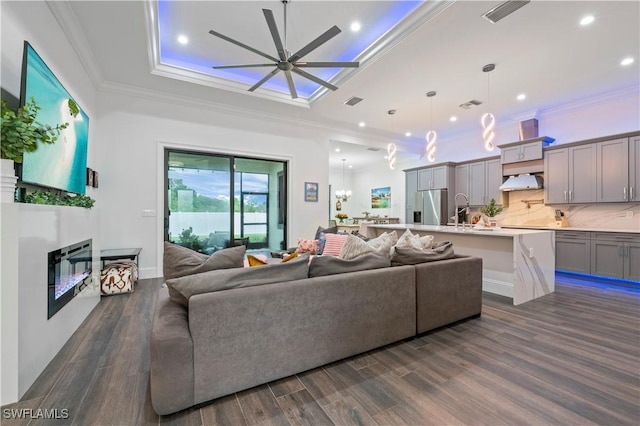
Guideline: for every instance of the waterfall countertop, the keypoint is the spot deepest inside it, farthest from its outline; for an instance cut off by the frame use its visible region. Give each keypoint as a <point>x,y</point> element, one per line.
<point>569,228</point>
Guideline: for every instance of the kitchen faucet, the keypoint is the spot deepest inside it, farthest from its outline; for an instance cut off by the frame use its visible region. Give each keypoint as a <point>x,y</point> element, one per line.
<point>457,210</point>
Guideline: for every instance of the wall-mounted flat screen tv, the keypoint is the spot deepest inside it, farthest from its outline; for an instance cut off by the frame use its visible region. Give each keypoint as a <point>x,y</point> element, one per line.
<point>61,165</point>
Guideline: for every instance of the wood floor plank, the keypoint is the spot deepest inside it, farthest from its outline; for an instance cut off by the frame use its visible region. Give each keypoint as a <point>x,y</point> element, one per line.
<point>223,411</point>
<point>301,409</point>
<point>286,386</point>
<point>324,389</point>
<point>259,406</point>
<point>348,412</point>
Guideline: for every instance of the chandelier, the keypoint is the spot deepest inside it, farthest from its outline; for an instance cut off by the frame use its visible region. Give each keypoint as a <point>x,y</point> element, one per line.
<point>342,194</point>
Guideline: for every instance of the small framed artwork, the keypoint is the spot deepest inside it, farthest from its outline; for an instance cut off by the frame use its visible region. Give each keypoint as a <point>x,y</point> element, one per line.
<point>95,179</point>
<point>311,191</point>
<point>89,177</point>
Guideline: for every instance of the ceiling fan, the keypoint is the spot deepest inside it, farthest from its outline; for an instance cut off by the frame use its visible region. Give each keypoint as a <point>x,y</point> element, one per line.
<point>285,61</point>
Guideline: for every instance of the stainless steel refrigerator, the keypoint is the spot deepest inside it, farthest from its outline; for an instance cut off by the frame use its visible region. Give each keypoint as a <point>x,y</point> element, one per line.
<point>430,207</point>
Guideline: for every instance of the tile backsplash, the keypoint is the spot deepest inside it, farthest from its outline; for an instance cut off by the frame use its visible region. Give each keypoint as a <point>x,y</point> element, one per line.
<point>624,216</point>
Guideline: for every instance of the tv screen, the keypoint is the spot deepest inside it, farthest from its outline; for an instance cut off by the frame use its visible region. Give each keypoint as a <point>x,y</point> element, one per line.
<point>61,165</point>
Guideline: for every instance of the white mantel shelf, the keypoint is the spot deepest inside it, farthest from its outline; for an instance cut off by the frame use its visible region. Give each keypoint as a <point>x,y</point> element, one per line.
<point>517,263</point>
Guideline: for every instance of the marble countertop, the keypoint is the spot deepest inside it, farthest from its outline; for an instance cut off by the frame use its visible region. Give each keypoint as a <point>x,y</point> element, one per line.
<point>568,228</point>
<point>490,232</point>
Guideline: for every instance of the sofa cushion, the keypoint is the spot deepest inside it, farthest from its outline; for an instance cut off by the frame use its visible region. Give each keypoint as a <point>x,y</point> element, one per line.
<point>333,244</point>
<point>180,261</point>
<point>354,247</point>
<point>181,289</point>
<point>329,265</point>
<point>412,256</point>
<point>426,241</point>
<point>409,240</point>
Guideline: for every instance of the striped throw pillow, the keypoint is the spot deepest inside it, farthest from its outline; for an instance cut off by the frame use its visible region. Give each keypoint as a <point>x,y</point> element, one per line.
<point>333,244</point>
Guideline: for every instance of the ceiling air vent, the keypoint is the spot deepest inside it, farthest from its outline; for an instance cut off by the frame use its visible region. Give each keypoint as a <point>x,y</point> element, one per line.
<point>353,100</point>
<point>373,149</point>
<point>504,9</point>
<point>469,104</point>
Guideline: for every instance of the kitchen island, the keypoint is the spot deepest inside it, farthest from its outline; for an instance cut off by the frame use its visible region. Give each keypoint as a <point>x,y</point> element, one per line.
<point>517,263</point>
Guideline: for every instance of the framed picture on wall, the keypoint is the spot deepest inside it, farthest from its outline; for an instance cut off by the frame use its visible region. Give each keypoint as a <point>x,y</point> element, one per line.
<point>89,177</point>
<point>95,179</point>
<point>381,198</point>
<point>311,191</point>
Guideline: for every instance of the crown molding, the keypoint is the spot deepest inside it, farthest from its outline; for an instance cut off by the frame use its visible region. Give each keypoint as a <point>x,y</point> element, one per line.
<point>623,93</point>
<point>68,22</point>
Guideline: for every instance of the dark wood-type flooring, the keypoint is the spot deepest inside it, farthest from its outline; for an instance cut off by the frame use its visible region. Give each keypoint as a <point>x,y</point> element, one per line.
<point>572,357</point>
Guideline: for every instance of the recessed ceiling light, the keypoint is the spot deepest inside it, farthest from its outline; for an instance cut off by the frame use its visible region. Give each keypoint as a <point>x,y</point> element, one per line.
<point>386,157</point>
<point>521,97</point>
<point>626,61</point>
<point>355,26</point>
<point>337,149</point>
<point>407,134</point>
<point>183,39</point>
<point>453,118</point>
<point>587,20</point>
<point>362,124</point>
<point>350,166</point>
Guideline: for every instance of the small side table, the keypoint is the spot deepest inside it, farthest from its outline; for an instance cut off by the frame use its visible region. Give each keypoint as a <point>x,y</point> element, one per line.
<point>120,254</point>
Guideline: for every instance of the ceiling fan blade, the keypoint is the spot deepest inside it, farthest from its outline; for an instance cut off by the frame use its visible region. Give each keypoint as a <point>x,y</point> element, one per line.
<point>327,64</point>
<point>314,78</point>
<point>273,28</point>
<point>221,67</point>
<point>292,87</point>
<point>237,43</point>
<point>264,79</point>
<point>325,37</point>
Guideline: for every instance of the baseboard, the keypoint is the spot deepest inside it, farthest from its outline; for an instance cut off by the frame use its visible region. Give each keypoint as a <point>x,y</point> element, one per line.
<point>501,288</point>
<point>148,273</point>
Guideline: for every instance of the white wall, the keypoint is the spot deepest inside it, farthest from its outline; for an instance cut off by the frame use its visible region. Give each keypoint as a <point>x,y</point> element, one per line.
<point>134,131</point>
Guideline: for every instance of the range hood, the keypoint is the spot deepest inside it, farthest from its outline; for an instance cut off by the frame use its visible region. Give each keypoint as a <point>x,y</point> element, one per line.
<point>521,183</point>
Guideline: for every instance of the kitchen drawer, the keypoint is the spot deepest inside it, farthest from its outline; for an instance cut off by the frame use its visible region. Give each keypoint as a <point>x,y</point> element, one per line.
<point>619,237</point>
<point>574,235</point>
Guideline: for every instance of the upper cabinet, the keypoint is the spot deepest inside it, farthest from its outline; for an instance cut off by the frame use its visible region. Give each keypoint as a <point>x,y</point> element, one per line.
<point>411,186</point>
<point>523,151</point>
<point>480,181</point>
<point>601,170</point>
<point>570,175</point>
<point>436,177</point>
<point>613,171</point>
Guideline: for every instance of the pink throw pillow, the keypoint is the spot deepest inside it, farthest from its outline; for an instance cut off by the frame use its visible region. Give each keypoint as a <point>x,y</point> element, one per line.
<point>307,246</point>
<point>334,244</point>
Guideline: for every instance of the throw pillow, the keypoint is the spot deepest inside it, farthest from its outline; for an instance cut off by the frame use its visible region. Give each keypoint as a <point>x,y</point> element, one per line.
<point>183,288</point>
<point>330,230</point>
<point>290,257</point>
<point>383,242</point>
<point>333,244</point>
<point>412,256</point>
<point>256,260</point>
<point>322,240</point>
<point>307,246</point>
<point>354,247</point>
<point>179,261</point>
<point>409,240</point>
<point>329,265</point>
<point>426,241</point>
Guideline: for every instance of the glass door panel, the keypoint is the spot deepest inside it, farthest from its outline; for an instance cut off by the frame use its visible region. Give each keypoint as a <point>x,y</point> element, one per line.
<point>198,209</point>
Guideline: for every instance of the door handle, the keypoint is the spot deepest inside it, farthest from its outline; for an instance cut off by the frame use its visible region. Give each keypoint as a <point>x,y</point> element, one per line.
<point>570,195</point>
<point>624,193</point>
<point>565,196</point>
<point>631,197</point>
<point>626,250</point>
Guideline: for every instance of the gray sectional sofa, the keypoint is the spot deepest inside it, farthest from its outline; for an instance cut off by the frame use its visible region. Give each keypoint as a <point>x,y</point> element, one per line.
<point>231,340</point>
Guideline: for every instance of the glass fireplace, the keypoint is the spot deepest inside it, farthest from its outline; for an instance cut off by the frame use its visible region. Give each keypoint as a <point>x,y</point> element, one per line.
<point>69,273</point>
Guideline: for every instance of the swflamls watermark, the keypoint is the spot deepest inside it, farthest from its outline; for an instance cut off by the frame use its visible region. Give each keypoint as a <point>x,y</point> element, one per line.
<point>39,413</point>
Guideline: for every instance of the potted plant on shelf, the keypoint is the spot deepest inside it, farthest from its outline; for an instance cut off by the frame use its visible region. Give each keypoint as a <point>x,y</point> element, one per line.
<point>491,210</point>
<point>21,133</point>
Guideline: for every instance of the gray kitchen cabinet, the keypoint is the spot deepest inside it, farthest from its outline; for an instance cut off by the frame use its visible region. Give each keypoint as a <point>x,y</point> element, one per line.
<point>411,186</point>
<point>462,178</point>
<point>433,178</point>
<point>522,152</point>
<point>616,255</point>
<point>612,171</point>
<point>493,180</point>
<point>573,251</point>
<point>570,175</point>
<point>480,180</point>
<point>634,165</point>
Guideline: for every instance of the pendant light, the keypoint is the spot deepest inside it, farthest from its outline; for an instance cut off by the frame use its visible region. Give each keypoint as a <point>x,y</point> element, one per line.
<point>342,194</point>
<point>432,136</point>
<point>488,121</point>
<point>392,148</point>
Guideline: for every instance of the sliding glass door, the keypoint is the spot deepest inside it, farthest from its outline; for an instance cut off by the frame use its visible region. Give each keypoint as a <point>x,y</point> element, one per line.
<point>205,201</point>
